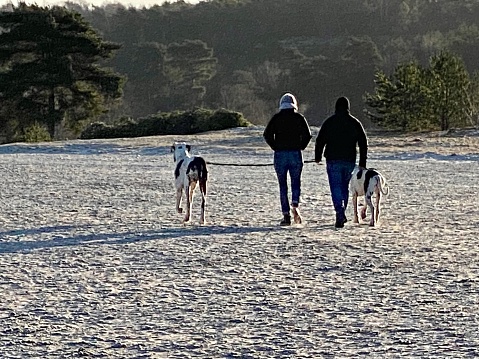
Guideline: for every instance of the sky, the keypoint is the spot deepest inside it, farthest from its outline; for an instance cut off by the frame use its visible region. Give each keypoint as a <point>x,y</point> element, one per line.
<point>135,3</point>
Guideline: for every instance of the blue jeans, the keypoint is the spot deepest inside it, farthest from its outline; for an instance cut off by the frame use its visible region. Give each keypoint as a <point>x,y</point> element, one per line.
<point>339,175</point>
<point>292,162</point>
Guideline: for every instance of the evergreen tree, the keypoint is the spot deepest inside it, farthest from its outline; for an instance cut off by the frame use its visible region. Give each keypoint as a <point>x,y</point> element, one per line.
<point>412,98</point>
<point>145,89</point>
<point>50,67</point>
<point>449,83</point>
<point>400,101</point>
<point>189,66</point>
<point>473,100</point>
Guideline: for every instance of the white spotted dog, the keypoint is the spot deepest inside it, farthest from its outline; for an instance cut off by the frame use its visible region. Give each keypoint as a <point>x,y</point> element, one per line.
<point>367,182</point>
<point>189,171</point>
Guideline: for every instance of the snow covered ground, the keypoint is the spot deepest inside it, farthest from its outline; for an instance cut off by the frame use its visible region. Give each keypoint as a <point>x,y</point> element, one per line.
<point>95,262</point>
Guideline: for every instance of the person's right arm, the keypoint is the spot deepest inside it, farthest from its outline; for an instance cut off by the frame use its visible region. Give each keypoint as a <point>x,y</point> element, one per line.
<point>268,134</point>
<point>320,143</point>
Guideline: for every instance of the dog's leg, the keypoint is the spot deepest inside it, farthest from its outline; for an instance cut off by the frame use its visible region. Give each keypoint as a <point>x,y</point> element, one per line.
<point>355,207</point>
<point>363,211</point>
<point>364,208</point>
<point>369,202</point>
<point>188,203</point>
<point>179,193</point>
<point>378,200</point>
<point>191,194</point>
<point>203,201</point>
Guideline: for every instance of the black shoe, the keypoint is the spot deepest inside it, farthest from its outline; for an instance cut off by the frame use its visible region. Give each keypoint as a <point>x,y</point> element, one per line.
<point>340,220</point>
<point>286,220</point>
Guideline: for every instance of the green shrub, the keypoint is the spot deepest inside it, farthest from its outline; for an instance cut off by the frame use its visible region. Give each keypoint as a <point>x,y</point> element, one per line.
<point>97,130</point>
<point>36,133</point>
<point>168,123</point>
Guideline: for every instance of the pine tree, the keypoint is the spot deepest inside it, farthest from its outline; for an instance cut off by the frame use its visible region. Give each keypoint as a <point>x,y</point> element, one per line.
<point>400,100</point>
<point>189,66</point>
<point>50,67</point>
<point>449,82</point>
<point>412,98</point>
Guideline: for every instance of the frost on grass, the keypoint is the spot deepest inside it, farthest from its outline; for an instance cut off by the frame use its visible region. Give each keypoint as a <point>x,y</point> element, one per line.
<point>95,261</point>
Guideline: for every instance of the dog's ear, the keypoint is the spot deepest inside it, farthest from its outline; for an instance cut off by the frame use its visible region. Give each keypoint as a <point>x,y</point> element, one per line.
<point>188,148</point>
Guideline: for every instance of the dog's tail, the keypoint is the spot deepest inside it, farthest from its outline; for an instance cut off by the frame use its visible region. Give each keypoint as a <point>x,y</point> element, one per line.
<point>203,176</point>
<point>383,185</point>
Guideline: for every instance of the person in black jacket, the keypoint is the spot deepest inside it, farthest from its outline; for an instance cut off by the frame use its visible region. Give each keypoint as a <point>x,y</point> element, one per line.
<point>288,133</point>
<point>338,136</point>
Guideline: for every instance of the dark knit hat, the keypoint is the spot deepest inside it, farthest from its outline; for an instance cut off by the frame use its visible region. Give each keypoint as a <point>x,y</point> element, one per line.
<point>342,104</point>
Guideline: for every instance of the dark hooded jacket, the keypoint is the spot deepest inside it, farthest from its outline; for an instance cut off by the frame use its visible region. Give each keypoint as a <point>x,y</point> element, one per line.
<point>340,134</point>
<point>287,130</point>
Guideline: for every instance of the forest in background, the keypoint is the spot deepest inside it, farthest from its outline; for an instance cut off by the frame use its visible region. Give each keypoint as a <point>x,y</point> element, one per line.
<point>244,54</point>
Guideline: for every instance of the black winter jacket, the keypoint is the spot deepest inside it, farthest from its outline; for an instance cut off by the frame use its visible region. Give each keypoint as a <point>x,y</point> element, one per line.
<point>340,134</point>
<point>287,130</point>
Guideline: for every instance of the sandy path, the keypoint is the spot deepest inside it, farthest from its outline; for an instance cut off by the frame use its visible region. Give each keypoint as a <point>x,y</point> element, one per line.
<point>95,263</point>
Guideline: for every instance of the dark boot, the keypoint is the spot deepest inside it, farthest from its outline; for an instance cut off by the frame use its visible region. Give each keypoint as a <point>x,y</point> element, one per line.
<point>286,220</point>
<point>340,220</point>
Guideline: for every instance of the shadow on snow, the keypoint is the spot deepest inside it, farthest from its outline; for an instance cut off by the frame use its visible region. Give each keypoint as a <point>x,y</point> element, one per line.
<point>113,238</point>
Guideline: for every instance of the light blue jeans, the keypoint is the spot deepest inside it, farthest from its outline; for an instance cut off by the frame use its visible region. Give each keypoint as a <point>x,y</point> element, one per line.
<point>288,162</point>
<point>339,175</point>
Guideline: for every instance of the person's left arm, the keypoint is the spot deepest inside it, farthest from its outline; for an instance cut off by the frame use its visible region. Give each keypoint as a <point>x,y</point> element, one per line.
<point>320,143</point>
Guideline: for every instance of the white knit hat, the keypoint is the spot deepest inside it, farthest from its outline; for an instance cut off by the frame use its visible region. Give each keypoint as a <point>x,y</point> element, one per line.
<point>288,101</point>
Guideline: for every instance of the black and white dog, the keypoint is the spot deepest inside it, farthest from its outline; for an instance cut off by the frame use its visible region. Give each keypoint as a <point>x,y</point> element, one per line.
<point>189,171</point>
<point>367,182</point>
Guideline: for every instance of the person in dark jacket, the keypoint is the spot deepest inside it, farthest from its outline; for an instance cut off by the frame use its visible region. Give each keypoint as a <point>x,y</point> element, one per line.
<point>288,133</point>
<point>338,137</point>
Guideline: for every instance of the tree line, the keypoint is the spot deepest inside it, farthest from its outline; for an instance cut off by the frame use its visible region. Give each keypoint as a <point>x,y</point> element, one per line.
<point>439,96</point>
<point>243,55</point>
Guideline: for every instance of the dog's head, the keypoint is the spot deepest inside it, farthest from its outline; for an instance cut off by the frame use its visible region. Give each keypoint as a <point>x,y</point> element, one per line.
<point>180,150</point>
